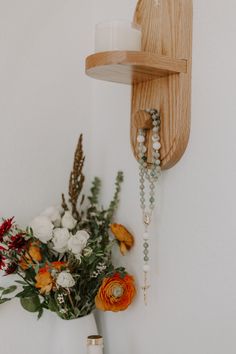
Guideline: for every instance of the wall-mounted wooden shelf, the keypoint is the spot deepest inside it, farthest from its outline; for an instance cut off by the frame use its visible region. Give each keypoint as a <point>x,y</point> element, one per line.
<point>160,74</point>
<point>128,67</point>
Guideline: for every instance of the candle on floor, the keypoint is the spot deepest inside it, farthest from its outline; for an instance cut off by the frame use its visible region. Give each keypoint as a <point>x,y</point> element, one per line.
<point>95,345</point>
<point>117,35</point>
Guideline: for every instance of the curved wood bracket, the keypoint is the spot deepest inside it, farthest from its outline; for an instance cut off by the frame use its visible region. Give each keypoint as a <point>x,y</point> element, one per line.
<point>167,31</point>
<point>160,74</point>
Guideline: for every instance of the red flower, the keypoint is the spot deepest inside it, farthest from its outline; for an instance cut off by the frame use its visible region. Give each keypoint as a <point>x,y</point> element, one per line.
<point>2,261</point>
<point>11,269</point>
<point>5,227</point>
<point>18,242</point>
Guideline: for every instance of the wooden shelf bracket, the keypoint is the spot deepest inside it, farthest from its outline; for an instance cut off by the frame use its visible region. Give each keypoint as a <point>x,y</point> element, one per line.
<point>160,74</point>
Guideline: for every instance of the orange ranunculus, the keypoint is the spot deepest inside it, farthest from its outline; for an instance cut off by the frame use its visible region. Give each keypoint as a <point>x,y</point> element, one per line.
<point>32,256</point>
<point>44,279</point>
<point>116,293</point>
<point>125,238</point>
<point>57,265</point>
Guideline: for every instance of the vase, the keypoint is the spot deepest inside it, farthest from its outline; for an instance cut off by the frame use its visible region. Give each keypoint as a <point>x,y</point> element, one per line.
<point>70,336</point>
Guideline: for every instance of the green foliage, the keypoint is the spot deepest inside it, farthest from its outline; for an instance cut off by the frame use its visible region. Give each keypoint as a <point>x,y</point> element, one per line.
<point>6,291</point>
<point>98,264</point>
<point>31,303</point>
<point>88,272</point>
<point>2,301</point>
<point>9,290</point>
<point>28,291</point>
<point>40,312</point>
<point>115,201</point>
<point>95,190</point>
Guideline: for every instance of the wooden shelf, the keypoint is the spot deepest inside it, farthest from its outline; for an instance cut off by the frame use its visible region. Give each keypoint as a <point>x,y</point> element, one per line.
<point>160,75</point>
<point>129,67</point>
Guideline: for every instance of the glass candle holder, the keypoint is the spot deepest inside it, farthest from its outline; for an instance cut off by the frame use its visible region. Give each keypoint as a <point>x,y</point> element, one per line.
<point>117,35</point>
<point>95,345</point>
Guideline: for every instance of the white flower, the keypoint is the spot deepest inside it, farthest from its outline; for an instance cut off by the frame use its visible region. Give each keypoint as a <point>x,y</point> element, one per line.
<point>68,221</point>
<point>60,240</point>
<point>54,215</point>
<point>78,242</point>
<point>65,280</point>
<point>60,299</point>
<point>42,228</point>
<point>83,236</point>
<point>63,311</point>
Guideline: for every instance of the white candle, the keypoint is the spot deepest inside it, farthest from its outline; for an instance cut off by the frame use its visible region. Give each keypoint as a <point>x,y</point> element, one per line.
<point>117,35</point>
<point>95,345</point>
<point>95,349</point>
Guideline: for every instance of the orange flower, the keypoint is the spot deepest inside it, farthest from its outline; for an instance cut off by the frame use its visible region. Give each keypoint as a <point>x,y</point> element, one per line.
<point>116,293</point>
<point>44,279</point>
<point>32,256</point>
<point>57,265</point>
<point>125,238</point>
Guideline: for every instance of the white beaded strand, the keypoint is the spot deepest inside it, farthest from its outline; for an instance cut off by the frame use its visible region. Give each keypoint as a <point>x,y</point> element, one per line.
<point>152,177</point>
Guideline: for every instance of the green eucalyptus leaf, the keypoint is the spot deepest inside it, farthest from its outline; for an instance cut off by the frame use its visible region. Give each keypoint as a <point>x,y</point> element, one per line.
<point>9,290</point>
<point>52,305</point>
<point>2,301</point>
<point>27,292</point>
<point>31,304</point>
<point>20,282</point>
<point>22,293</point>
<point>40,312</point>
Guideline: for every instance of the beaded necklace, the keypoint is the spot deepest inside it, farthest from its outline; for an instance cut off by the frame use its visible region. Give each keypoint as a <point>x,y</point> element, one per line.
<point>150,176</point>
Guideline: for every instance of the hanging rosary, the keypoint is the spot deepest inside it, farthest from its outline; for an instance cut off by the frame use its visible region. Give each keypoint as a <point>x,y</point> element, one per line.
<point>150,176</point>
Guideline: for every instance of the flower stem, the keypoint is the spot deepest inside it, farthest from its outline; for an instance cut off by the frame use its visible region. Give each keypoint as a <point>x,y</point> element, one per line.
<point>70,299</point>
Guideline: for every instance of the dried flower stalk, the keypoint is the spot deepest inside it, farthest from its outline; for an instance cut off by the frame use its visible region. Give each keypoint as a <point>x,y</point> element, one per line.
<point>64,204</point>
<point>76,180</point>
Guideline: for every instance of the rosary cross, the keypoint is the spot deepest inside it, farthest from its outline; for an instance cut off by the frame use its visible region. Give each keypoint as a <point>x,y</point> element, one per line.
<point>145,290</point>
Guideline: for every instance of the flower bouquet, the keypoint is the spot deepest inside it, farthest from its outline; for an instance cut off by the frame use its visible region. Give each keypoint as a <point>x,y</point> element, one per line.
<point>64,257</point>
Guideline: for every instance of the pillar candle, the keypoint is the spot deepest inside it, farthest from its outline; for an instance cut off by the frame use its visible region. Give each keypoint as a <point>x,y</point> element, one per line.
<point>117,35</point>
<point>95,345</point>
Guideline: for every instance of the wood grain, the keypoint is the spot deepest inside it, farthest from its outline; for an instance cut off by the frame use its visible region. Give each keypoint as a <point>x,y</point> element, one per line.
<point>166,31</point>
<point>129,67</point>
<point>160,74</point>
<point>142,120</point>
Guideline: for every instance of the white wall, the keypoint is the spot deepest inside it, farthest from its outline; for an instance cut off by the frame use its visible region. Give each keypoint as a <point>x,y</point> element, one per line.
<point>45,101</point>
<point>192,302</point>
